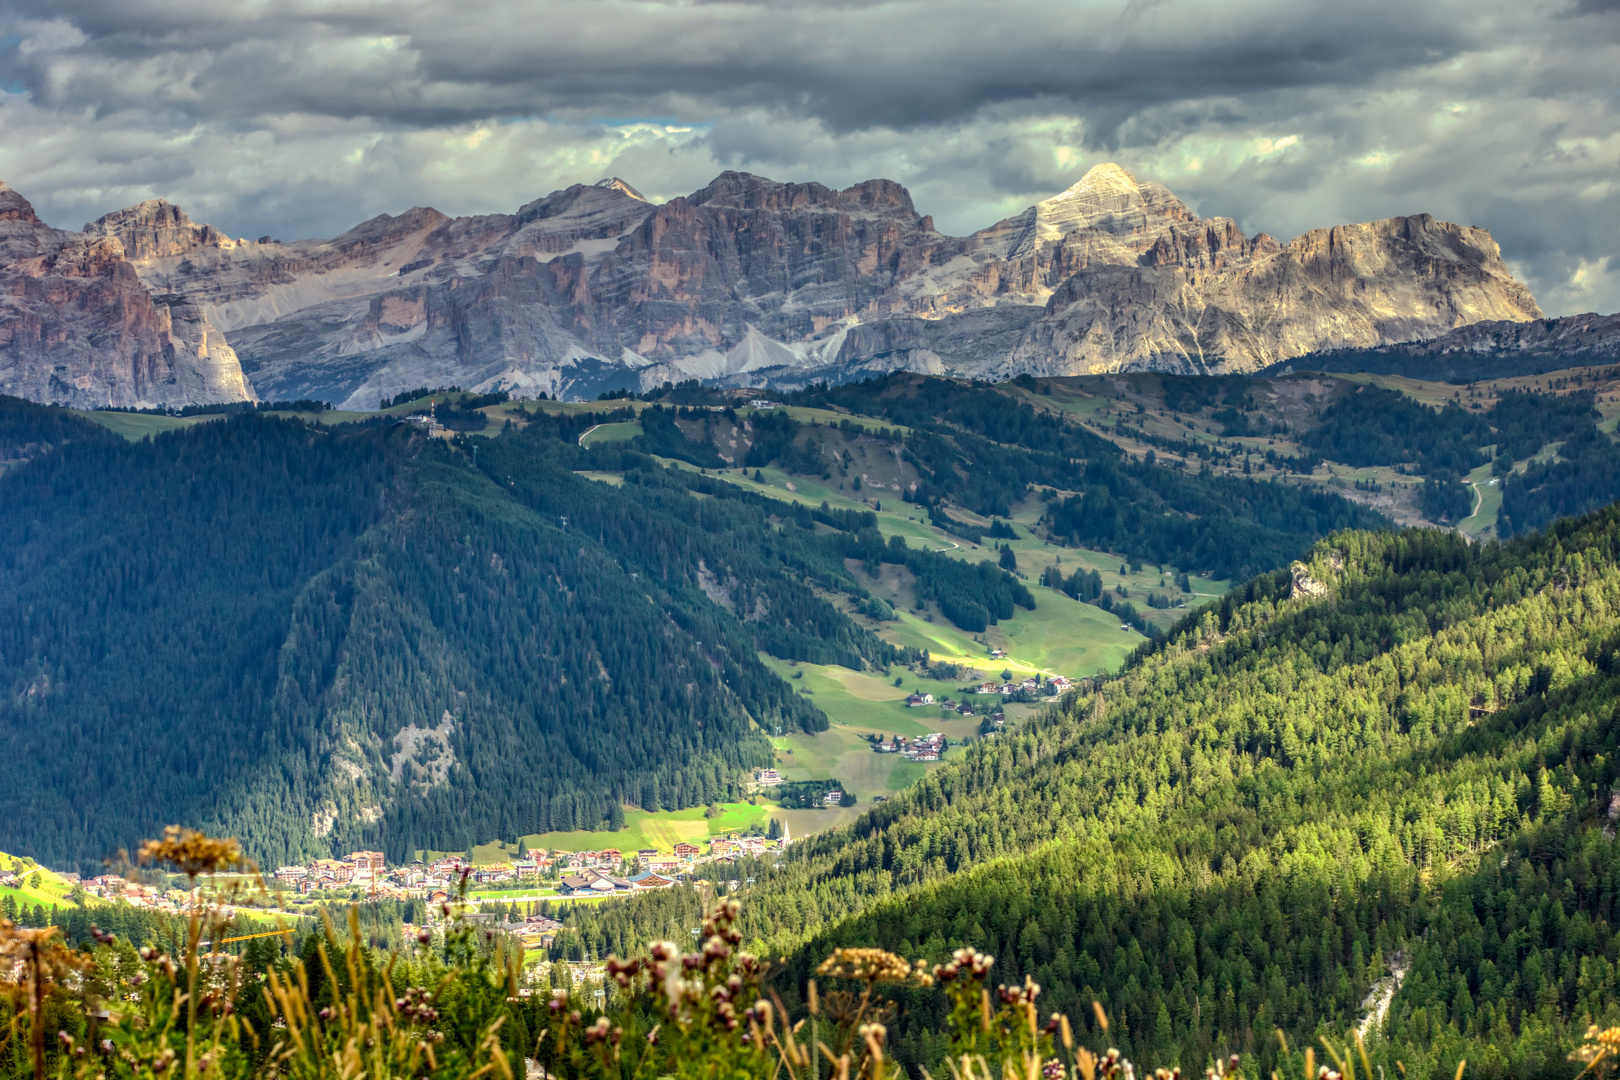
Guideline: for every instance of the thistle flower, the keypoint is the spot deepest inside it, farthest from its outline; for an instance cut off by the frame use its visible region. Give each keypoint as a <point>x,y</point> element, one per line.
<point>1600,1044</point>
<point>868,965</point>
<point>976,964</point>
<point>192,852</point>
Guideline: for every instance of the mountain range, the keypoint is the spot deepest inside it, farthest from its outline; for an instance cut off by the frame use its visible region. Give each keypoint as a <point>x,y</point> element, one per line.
<point>747,281</point>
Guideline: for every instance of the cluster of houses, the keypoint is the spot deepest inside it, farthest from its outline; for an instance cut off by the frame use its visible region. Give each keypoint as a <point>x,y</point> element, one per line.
<point>918,700</point>
<point>582,872</point>
<point>598,872</point>
<point>594,881</point>
<point>608,870</point>
<point>922,748</point>
<point>535,931</point>
<point>151,897</point>
<point>1007,689</point>
<point>368,870</point>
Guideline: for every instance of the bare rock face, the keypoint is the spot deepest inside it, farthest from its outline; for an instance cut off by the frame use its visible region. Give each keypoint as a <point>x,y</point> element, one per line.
<point>1582,339</point>
<point>750,281</point>
<point>1304,585</point>
<point>210,371</point>
<point>156,228</point>
<point>1205,298</point>
<point>80,327</point>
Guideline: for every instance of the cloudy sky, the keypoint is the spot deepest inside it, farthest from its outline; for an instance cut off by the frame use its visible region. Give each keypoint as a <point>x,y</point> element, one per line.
<point>302,117</point>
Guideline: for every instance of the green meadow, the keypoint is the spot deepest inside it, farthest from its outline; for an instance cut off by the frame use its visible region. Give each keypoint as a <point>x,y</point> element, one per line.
<point>1487,504</point>
<point>604,433</point>
<point>51,890</point>
<point>137,426</point>
<point>661,829</point>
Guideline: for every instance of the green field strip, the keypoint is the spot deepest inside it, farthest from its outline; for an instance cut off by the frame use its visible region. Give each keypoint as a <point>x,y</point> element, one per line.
<point>605,433</point>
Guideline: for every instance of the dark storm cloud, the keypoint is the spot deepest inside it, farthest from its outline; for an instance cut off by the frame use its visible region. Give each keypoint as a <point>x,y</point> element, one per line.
<point>852,67</point>
<point>298,117</point>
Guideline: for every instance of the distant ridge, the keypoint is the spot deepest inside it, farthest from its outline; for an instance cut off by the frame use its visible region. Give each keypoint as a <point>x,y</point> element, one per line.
<point>745,282</point>
<point>1485,350</point>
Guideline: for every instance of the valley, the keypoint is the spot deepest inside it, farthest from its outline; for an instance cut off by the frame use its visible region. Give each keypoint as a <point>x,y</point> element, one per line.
<point>809,541</point>
<point>792,583</point>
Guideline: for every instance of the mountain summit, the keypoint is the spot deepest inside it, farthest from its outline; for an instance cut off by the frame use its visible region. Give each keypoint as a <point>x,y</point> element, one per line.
<point>79,326</point>
<point>747,281</point>
<point>1107,199</point>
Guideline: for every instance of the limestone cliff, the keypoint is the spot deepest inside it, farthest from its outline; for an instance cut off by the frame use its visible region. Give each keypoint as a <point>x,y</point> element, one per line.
<point>1207,299</point>
<point>80,327</point>
<point>751,281</point>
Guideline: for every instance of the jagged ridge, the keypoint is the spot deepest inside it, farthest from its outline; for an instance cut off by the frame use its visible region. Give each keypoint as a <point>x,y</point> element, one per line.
<point>751,281</point>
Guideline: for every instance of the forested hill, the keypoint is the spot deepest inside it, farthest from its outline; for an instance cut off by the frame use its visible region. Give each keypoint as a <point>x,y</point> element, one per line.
<point>1399,761</point>
<point>27,429</point>
<point>317,638</point>
<point>321,638</point>
<point>985,450</point>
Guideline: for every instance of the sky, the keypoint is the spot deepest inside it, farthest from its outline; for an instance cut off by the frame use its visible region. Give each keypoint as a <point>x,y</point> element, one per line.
<point>300,118</point>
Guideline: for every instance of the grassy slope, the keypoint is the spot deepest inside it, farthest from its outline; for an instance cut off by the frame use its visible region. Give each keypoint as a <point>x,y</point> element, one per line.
<point>903,519</point>
<point>1481,524</point>
<point>1060,636</point>
<point>52,889</point>
<point>860,704</point>
<point>1099,402</point>
<point>828,416</point>
<point>603,433</point>
<point>137,426</point>
<point>643,829</point>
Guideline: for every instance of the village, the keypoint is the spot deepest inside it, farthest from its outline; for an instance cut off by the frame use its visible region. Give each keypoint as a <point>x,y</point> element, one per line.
<point>568,875</point>
<point>550,875</point>
<point>928,747</point>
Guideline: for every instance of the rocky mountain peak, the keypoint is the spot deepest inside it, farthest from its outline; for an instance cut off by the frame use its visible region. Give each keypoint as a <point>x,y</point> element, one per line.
<point>749,192</point>
<point>1105,188</point>
<point>1107,178</point>
<point>1107,217</point>
<point>149,213</point>
<point>156,228</point>
<point>1109,198</point>
<point>13,207</point>
<point>880,195</point>
<point>613,183</point>
<point>79,325</point>
<point>747,280</point>
<point>387,225</point>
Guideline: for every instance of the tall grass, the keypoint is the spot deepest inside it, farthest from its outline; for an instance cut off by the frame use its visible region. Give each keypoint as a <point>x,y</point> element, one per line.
<point>451,1006</point>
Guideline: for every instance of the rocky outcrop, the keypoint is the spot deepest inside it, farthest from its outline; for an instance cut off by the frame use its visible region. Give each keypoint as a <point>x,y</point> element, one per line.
<point>80,327</point>
<point>1205,299</point>
<point>156,228</point>
<point>210,370</point>
<point>1304,585</point>
<point>1575,336</point>
<point>399,301</point>
<point>751,281</point>
<point>1492,349</point>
